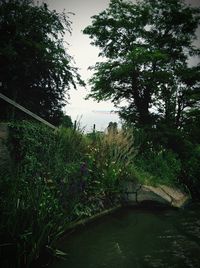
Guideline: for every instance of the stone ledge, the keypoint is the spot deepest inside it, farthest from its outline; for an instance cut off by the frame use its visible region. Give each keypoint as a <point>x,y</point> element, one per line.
<point>162,194</point>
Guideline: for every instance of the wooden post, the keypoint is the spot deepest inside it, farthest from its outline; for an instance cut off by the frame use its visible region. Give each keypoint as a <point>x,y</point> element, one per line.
<point>94,128</point>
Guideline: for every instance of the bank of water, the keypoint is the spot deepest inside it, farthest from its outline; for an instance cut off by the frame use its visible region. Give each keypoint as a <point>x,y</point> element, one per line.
<point>136,237</point>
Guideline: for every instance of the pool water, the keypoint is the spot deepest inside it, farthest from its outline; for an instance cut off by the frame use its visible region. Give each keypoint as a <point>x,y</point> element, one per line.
<point>136,237</point>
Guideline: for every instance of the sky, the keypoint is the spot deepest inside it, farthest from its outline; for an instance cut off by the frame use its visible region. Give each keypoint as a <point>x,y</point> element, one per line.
<point>88,112</point>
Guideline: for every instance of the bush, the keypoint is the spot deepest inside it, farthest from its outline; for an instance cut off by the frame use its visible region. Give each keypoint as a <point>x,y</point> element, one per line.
<point>191,172</point>
<point>158,167</point>
<point>58,177</point>
<point>110,155</point>
<point>32,208</point>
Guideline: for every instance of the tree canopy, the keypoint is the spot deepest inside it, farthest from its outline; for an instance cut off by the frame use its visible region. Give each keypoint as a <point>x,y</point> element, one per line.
<point>35,69</point>
<point>146,47</point>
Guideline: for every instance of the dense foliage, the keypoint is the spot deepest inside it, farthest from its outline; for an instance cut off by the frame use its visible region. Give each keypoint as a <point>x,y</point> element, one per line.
<point>35,69</point>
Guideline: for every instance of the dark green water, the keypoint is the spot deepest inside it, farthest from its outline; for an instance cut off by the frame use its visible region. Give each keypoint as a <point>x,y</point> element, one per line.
<point>137,238</point>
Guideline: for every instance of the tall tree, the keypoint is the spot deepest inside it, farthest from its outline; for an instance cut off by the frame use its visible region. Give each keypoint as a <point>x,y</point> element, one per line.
<point>35,69</point>
<point>146,47</point>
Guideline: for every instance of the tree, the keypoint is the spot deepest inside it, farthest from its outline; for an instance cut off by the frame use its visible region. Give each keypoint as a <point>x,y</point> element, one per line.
<point>112,127</point>
<point>35,69</point>
<point>66,121</point>
<point>146,47</point>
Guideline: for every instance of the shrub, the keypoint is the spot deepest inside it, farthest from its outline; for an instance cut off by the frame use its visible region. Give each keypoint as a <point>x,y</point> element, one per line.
<point>33,212</point>
<point>191,172</point>
<point>109,156</point>
<point>158,167</point>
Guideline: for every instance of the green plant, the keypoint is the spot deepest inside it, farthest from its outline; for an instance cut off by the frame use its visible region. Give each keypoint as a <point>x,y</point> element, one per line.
<point>158,167</point>
<point>109,156</point>
<point>34,210</point>
<point>190,175</point>
<point>40,70</point>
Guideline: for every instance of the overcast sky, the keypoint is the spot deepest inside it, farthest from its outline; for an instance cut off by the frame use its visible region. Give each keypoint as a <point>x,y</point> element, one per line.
<point>86,55</point>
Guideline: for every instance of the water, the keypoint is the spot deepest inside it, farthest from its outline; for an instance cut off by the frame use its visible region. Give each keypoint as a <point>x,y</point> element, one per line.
<point>133,238</point>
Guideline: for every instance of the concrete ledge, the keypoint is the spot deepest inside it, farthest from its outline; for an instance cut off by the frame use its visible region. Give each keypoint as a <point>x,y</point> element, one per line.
<point>162,194</point>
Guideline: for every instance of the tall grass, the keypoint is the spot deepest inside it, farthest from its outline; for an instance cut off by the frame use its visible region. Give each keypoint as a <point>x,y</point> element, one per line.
<point>109,157</point>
